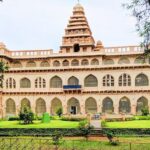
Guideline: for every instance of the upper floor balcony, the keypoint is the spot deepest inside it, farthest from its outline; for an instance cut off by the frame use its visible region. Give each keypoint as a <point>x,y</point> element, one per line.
<point>72,87</point>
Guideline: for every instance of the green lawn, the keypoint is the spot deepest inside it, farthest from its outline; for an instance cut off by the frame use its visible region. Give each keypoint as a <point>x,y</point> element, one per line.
<point>38,124</point>
<point>129,124</point>
<point>47,143</point>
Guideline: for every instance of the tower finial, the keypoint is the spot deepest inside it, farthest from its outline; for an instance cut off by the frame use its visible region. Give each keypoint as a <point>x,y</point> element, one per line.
<point>78,1</point>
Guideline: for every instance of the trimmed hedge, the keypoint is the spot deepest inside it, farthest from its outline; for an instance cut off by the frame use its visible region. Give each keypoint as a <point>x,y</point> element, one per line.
<point>73,118</point>
<point>72,132</point>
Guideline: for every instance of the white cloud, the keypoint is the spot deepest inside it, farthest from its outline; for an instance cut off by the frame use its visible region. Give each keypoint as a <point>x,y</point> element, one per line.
<point>35,24</point>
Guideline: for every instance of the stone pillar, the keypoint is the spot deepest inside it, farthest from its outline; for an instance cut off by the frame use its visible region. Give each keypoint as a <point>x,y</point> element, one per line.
<point>99,108</point>
<point>48,108</point>
<point>116,109</point>
<point>65,109</point>
<point>82,109</point>
<point>133,109</point>
<point>18,107</point>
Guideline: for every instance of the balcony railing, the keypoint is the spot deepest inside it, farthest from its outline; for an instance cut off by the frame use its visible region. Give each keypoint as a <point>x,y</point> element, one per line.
<point>72,87</point>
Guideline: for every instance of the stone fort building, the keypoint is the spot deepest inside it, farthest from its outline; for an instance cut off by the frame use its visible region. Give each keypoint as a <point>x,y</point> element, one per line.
<point>82,78</point>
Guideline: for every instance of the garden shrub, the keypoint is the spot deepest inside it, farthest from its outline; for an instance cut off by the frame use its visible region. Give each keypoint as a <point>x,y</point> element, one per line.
<point>26,115</point>
<point>13,118</point>
<point>130,119</point>
<point>59,112</point>
<point>73,118</point>
<point>103,123</point>
<point>83,124</point>
<point>142,117</point>
<point>145,111</point>
<point>45,118</point>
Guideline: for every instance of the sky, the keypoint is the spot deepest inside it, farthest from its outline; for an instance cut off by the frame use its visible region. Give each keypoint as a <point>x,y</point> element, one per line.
<point>40,24</point>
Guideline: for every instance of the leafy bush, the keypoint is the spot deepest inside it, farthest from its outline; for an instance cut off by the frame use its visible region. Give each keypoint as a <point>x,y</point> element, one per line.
<point>45,118</point>
<point>83,124</point>
<point>130,119</point>
<point>13,118</point>
<point>103,123</point>
<point>145,111</point>
<point>114,143</point>
<point>26,115</point>
<point>73,118</point>
<point>142,117</point>
<point>59,112</point>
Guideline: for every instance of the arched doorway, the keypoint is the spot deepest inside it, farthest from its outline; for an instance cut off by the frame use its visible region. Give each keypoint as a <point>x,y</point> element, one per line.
<point>10,107</point>
<point>25,102</point>
<point>91,106</point>
<point>108,105</point>
<point>141,103</point>
<point>55,105</point>
<point>124,105</point>
<point>40,107</point>
<point>73,106</point>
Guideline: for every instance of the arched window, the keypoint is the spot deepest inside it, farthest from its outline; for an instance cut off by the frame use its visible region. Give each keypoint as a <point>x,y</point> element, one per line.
<point>124,60</point>
<point>40,83</point>
<point>73,106</point>
<point>56,82</point>
<point>25,103</point>
<point>40,106</point>
<point>140,60</point>
<point>141,80</point>
<point>124,105</point>
<point>108,80</point>
<point>142,102</point>
<point>56,63</point>
<point>76,47</point>
<point>65,63</point>
<point>73,81</point>
<point>108,105</point>
<point>17,64</point>
<point>90,105</point>
<point>10,83</point>
<point>44,64</point>
<point>90,81</point>
<point>108,62</point>
<point>125,80</point>
<point>25,83</point>
<point>94,62</point>
<point>10,107</point>
<point>75,62</point>
<point>31,64</point>
<point>84,62</point>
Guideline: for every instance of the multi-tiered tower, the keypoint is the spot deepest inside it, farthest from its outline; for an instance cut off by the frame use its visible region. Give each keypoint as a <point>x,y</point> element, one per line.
<point>78,36</point>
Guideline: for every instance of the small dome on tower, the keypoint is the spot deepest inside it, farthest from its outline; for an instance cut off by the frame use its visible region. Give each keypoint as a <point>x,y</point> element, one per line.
<point>2,45</point>
<point>99,44</point>
<point>78,7</point>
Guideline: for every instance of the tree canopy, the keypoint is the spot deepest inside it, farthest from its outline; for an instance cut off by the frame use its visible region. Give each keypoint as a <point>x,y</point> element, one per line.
<point>141,10</point>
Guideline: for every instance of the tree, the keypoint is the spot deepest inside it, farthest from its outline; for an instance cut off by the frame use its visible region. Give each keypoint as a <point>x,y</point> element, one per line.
<point>141,10</point>
<point>3,68</point>
<point>26,115</point>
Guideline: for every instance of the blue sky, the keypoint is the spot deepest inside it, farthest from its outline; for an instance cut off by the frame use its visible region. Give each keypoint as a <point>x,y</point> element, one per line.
<point>40,24</point>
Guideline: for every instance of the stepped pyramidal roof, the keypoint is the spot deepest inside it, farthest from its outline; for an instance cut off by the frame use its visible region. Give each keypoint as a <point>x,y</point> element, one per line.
<point>78,32</point>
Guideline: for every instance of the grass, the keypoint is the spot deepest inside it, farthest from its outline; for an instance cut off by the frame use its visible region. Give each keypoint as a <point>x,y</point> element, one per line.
<point>68,144</point>
<point>38,124</point>
<point>129,124</point>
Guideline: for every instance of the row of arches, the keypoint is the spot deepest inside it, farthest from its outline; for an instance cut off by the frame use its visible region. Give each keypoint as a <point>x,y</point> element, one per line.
<point>73,105</point>
<point>84,62</point>
<point>89,81</point>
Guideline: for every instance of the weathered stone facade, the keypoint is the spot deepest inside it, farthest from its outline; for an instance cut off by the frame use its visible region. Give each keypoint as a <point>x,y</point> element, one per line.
<point>83,77</point>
